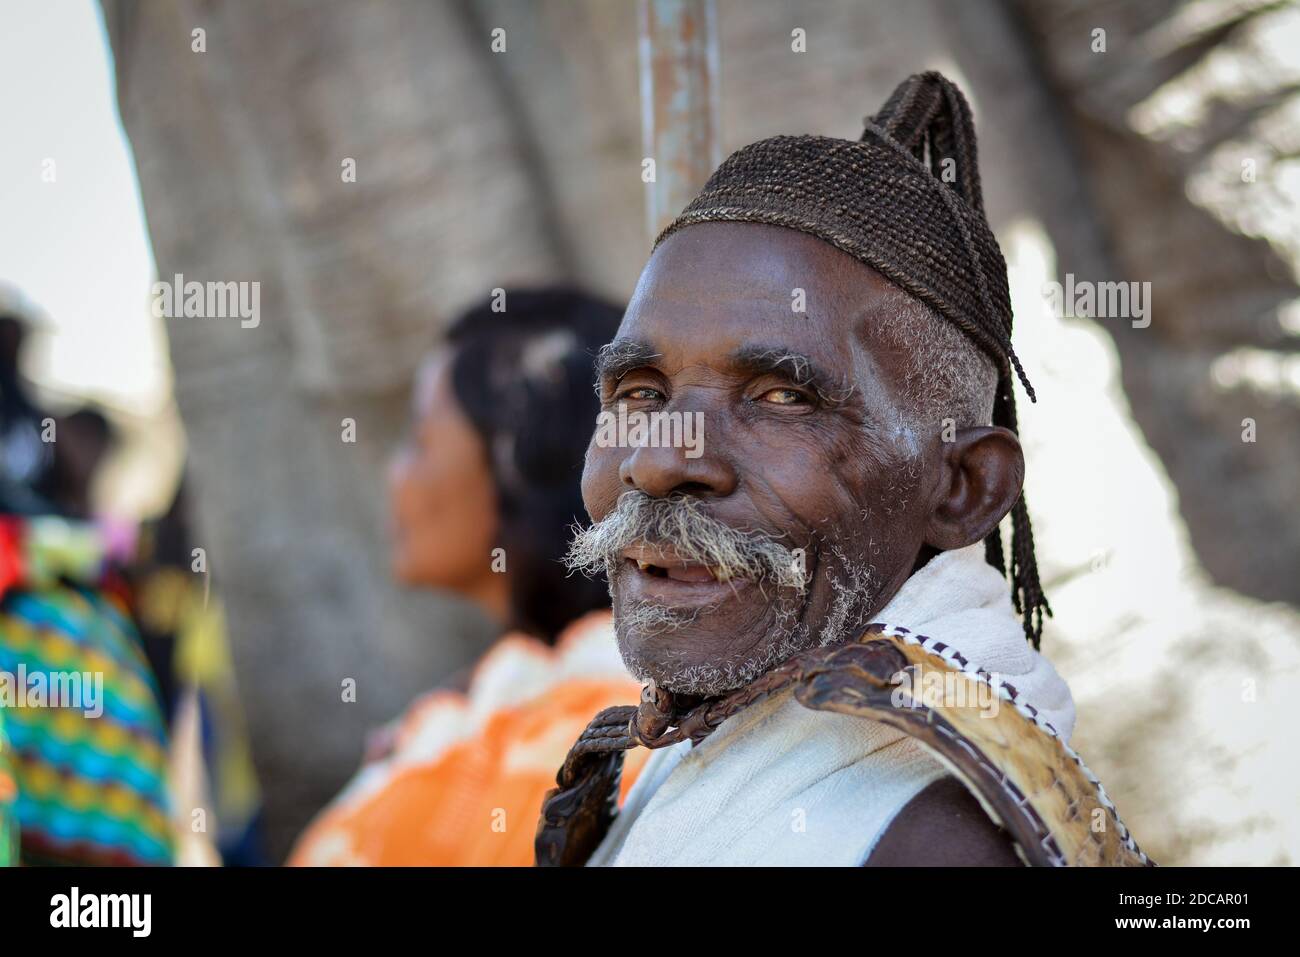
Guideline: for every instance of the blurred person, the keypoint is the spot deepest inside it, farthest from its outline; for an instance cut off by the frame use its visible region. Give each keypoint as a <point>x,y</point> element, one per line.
<point>483,495</point>
<point>86,741</point>
<point>86,745</point>
<point>183,628</point>
<point>24,456</point>
<point>840,660</point>
<point>85,438</point>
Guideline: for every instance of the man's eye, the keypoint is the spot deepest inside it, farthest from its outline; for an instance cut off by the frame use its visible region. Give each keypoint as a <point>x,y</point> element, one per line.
<point>783,396</point>
<point>641,393</point>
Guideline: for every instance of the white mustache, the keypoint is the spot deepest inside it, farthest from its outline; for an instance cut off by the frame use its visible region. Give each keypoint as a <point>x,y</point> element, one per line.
<point>680,523</point>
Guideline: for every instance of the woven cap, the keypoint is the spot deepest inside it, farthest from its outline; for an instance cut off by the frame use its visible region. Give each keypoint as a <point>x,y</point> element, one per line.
<point>869,201</point>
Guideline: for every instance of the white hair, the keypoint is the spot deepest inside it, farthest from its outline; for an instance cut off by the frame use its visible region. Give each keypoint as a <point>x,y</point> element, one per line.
<point>947,376</point>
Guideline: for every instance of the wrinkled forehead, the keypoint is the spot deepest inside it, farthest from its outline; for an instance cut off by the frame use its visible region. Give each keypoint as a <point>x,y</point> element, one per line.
<point>716,288</point>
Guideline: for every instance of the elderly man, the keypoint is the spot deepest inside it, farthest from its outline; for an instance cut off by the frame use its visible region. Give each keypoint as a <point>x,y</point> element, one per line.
<point>815,599</point>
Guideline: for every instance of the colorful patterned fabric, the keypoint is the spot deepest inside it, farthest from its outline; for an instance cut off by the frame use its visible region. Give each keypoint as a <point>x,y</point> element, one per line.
<point>8,797</point>
<point>464,781</point>
<point>91,786</point>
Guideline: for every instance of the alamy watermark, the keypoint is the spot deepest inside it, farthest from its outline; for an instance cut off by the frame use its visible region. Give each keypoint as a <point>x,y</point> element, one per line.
<point>677,430</point>
<point>133,912</point>
<point>1100,300</point>
<point>919,687</point>
<point>208,300</point>
<point>76,690</point>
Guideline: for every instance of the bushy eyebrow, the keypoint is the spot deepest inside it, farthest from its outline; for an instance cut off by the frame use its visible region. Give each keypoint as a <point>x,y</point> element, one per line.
<point>762,359</point>
<point>620,357</point>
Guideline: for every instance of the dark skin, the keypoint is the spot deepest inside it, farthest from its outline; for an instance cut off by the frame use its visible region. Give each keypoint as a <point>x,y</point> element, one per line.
<point>820,451</point>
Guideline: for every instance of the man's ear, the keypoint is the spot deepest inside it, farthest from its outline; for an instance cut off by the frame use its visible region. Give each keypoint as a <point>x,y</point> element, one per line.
<point>982,472</point>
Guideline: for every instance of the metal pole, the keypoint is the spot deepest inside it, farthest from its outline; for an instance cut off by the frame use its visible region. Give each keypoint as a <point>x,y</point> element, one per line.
<point>678,52</point>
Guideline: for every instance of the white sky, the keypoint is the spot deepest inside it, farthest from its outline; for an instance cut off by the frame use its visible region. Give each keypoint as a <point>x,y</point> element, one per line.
<point>77,248</point>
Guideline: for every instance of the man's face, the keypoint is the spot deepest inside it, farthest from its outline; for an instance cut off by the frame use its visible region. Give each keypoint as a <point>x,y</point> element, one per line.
<point>809,460</point>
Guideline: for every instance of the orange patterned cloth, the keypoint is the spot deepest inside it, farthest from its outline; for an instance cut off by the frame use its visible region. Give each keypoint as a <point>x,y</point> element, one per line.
<point>464,781</point>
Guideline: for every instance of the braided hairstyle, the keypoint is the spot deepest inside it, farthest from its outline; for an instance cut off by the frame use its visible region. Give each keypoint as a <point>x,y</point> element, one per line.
<point>905,199</point>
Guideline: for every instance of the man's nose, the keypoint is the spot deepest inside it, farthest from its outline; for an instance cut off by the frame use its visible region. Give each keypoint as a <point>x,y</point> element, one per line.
<point>660,471</point>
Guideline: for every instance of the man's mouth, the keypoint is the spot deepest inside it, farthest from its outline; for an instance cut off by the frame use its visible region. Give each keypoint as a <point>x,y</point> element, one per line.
<point>659,574</point>
<point>665,563</point>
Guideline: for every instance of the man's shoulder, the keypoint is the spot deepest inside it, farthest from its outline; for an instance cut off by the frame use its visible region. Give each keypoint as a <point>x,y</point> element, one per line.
<point>944,826</point>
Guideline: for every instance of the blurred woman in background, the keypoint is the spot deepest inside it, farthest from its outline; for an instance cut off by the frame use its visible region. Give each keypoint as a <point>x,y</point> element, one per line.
<point>483,495</point>
<point>503,412</point>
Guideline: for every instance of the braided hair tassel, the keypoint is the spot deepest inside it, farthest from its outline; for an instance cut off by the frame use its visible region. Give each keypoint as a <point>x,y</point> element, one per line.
<point>1026,589</point>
